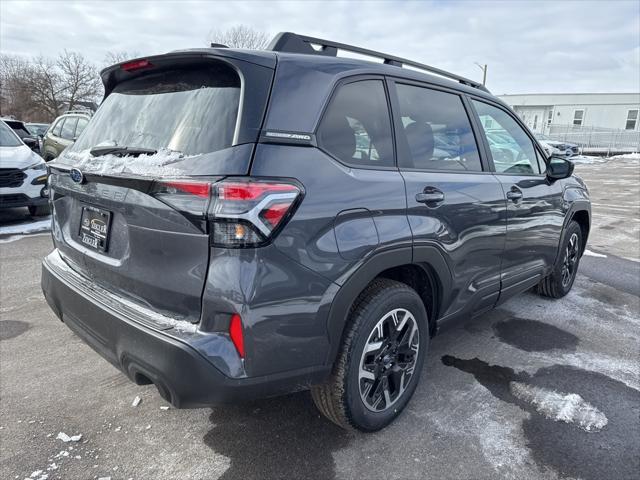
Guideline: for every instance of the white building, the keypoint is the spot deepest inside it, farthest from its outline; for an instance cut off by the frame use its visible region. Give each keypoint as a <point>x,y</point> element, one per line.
<point>619,111</point>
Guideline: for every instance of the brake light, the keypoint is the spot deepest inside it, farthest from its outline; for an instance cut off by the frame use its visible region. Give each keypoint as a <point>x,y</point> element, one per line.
<point>243,212</point>
<point>136,65</point>
<point>236,334</point>
<point>247,212</point>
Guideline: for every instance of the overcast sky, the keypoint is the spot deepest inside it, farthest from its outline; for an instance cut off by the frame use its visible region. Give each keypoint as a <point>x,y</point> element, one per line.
<point>543,46</point>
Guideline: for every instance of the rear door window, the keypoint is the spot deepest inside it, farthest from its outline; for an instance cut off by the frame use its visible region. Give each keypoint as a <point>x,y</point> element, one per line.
<point>69,127</point>
<point>437,130</point>
<point>356,128</point>
<point>82,123</point>
<point>188,110</point>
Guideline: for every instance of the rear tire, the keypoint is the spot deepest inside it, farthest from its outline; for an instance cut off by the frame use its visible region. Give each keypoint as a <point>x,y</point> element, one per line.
<point>379,364</point>
<point>39,210</point>
<point>560,281</point>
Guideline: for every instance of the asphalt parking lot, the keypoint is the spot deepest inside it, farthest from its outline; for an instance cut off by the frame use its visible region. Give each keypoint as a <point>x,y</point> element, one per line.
<point>535,389</point>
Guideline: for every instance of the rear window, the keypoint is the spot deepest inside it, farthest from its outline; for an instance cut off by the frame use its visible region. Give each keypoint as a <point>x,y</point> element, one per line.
<point>7,137</point>
<point>356,127</point>
<point>191,111</point>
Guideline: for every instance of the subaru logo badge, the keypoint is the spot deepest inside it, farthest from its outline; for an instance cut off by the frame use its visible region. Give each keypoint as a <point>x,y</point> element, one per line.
<point>76,175</point>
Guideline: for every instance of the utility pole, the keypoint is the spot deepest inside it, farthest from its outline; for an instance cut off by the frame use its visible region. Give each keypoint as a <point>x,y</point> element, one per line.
<point>484,72</point>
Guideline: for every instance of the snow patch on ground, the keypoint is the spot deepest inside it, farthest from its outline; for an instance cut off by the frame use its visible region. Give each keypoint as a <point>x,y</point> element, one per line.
<point>66,438</point>
<point>560,407</point>
<point>589,253</point>
<point>26,228</point>
<point>15,238</point>
<point>147,165</point>
<point>626,156</point>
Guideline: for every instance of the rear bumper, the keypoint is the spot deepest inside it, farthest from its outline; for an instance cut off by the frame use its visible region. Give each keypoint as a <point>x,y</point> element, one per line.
<point>183,374</point>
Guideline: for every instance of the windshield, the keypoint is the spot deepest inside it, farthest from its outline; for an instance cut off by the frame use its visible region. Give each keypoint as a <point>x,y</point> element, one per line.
<point>38,128</point>
<point>191,111</point>
<point>7,137</point>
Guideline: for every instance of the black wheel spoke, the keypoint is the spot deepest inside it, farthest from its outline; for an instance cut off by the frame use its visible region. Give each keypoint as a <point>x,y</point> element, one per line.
<point>388,359</point>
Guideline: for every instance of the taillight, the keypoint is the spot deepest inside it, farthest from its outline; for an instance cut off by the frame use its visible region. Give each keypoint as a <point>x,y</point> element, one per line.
<point>248,212</point>
<point>241,212</point>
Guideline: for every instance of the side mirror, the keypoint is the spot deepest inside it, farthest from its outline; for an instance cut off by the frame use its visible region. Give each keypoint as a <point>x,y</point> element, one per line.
<point>31,142</point>
<point>559,168</point>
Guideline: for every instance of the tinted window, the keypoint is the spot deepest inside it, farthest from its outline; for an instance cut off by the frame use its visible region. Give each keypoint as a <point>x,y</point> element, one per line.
<point>511,148</point>
<point>191,111</point>
<point>82,123</point>
<point>58,127</point>
<point>356,128</point>
<point>437,130</point>
<point>7,137</point>
<point>69,127</point>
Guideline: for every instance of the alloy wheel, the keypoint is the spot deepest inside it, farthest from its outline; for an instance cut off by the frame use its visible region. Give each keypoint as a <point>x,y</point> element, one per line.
<point>570,260</point>
<point>388,361</point>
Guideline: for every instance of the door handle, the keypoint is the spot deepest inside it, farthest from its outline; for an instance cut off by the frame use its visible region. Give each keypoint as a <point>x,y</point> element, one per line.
<point>514,194</point>
<point>430,195</point>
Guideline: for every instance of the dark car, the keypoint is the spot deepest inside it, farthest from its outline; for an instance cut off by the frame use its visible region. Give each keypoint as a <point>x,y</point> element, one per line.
<point>20,128</point>
<point>235,224</point>
<point>38,129</point>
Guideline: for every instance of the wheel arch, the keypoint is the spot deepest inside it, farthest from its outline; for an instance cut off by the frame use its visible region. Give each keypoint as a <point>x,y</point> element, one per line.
<point>399,265</point>
<point>580,211</point>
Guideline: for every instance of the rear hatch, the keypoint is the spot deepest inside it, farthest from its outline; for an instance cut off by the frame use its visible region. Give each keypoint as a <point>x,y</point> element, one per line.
<point>130,196</point>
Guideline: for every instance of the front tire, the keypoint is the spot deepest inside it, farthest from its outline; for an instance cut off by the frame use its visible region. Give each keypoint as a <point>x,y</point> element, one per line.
<point>379,365</point>
<point>560,281</point>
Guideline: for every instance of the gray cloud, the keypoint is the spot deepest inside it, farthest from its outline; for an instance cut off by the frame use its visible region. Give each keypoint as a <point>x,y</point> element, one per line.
<point>543,46</point>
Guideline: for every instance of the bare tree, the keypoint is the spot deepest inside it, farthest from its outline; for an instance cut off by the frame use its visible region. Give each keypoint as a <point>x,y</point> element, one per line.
<point>15,95</point>
<point>42,88</point>
<point>79,78</point>
<point>240,36</point>
<point>119,56</point>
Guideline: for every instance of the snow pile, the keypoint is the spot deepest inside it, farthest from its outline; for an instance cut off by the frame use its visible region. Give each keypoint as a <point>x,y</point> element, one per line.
<point>586,159</point>
<point>627,156</point>
<point>568,408</point>
<point>147,165</point>
<point>26,228</point>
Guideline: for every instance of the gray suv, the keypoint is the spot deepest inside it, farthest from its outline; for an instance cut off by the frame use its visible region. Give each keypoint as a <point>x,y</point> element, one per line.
<point>235,224</point>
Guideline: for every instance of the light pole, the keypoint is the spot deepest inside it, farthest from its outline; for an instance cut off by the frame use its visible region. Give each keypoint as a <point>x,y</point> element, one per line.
<point>484,72</point>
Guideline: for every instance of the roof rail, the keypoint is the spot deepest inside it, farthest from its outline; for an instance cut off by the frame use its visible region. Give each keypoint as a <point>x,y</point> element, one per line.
<point>294,43</point>
<point>86,112</point>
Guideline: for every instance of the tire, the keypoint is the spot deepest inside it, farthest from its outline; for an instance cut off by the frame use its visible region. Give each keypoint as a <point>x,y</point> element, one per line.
<point>346,397</point>
<point>39,210</point>
<point>560,281</point>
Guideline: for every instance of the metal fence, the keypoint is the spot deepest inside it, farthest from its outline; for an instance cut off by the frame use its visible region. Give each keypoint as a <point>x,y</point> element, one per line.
<point>595,139</point>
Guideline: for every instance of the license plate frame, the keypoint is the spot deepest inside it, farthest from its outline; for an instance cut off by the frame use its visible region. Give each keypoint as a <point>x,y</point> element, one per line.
<point>95,228</point>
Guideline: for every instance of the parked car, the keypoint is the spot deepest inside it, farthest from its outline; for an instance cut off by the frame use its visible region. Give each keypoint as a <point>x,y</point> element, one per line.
<point>554,147</point>
<point>25,135</point>
<point>236,224</point>
<point>38,129</point>
<point>23,175</point>
<point>64,131</point>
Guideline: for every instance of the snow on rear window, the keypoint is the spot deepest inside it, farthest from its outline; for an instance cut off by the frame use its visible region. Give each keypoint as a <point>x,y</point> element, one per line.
<point>190,110</point>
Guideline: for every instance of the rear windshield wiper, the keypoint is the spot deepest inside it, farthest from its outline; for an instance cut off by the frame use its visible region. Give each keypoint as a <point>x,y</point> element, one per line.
<point>121,151</point>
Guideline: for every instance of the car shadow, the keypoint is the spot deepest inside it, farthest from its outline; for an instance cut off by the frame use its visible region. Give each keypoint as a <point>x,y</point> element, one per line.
<point>276,438</point>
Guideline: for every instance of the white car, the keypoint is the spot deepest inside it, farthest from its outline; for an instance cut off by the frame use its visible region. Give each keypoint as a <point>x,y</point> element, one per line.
<point>557,148</point>
<point>23,175</point>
